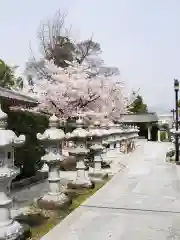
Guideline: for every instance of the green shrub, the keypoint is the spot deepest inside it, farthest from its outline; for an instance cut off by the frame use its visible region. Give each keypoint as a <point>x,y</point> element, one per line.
<point>163,135</point>
<point>27,157</point>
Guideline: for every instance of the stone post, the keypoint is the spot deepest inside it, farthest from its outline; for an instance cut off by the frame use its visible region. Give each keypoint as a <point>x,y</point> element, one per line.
<point>166,135</point>
<point>118,137</point>
<point>97,149</point>
<point>133,142</point>
<point>123,139</point>
<point>159,135</point>
<point>127,145</point>
<point>149,132</point>
<point>9,229</point>
<point>80,151</point>
<point>111,140</point>
<point>129,130</point>
<point>136,135</point>
<point>122,145</point>
<point>105,143</point>
<point>118,146</point>
<point>52,139</point>
<point>126,139</point>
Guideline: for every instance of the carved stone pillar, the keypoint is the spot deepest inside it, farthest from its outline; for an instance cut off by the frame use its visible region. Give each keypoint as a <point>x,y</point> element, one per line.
<point>105,143</point>
<point>80,151</point>
<point>97,149</point>
<point>149,132</point>
<point>52,139</point>
<point>159,135</point>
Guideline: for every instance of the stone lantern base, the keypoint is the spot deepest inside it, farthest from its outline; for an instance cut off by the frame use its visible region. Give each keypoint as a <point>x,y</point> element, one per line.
<point>112,154</point>
<point>106,164</point>
<point>80,183</point>
<point>54,201</point>
<point>98,176</point>
<point>105,160</point>
<point>14,231</point>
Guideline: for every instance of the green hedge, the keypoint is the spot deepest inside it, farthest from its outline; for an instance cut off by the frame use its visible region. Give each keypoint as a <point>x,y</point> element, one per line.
<point>28,156</point>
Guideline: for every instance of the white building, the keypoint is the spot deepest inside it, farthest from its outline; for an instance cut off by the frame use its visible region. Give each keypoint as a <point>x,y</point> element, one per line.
<point>165,119</point>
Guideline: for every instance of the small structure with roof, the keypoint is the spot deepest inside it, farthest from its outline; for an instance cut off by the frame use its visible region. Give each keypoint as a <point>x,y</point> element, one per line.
<point>147,122</point>
<point>14,98</point>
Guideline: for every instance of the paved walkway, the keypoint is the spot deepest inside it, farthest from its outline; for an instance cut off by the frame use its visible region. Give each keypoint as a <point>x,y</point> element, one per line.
<point>142,202</point>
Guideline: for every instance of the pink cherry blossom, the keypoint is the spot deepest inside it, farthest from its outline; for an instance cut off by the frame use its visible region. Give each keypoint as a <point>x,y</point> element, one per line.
<point>78,88</point>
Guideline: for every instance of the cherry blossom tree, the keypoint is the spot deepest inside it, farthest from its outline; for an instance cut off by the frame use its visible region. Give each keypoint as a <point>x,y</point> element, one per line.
<point>71,76</point>
<point>78,87</point>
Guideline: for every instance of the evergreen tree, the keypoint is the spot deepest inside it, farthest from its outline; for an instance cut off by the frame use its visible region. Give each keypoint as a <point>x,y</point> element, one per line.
<point>138,106</point>
<point>8,78</point>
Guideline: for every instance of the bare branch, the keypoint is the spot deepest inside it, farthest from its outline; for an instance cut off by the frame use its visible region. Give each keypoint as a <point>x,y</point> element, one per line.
<point>55,105</point>
<point>81,103</point>
<point>55,41</point>
<point>36,67</point>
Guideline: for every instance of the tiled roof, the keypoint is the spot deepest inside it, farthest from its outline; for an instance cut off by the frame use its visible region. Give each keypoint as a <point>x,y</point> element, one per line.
<point>138,118</point>
<point>17,97</point>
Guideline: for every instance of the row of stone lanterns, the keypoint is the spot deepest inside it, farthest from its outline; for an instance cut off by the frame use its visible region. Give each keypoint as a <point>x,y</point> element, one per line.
<point>99,136</point>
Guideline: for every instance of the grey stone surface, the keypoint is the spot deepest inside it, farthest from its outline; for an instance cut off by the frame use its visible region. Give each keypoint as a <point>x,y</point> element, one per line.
<point>23,198</point>
<point>142,202</point>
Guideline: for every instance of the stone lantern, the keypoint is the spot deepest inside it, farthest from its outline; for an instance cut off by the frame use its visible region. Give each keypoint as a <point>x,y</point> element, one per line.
<point>118,137</point>
<point>124,139</point>
<point>136,135</point>
<point>123,145</point>
<point>9,229</point>
<point>128,132</point>
<point>105,143</point>
<point>132,138</point>
<point>52,139</point>
<point>79,136</point>
<point>129,137</point>
<point>112,140</point>
<point>97,149</point>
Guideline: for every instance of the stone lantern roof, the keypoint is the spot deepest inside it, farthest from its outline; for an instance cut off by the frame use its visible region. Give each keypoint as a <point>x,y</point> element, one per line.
<point>79,132</point>
<point>53,132</point>
<point>95,130</point>
<point>7,137</point>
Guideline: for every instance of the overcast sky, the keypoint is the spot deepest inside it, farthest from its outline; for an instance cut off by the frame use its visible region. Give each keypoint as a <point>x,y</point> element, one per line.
<point>141,37</point>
